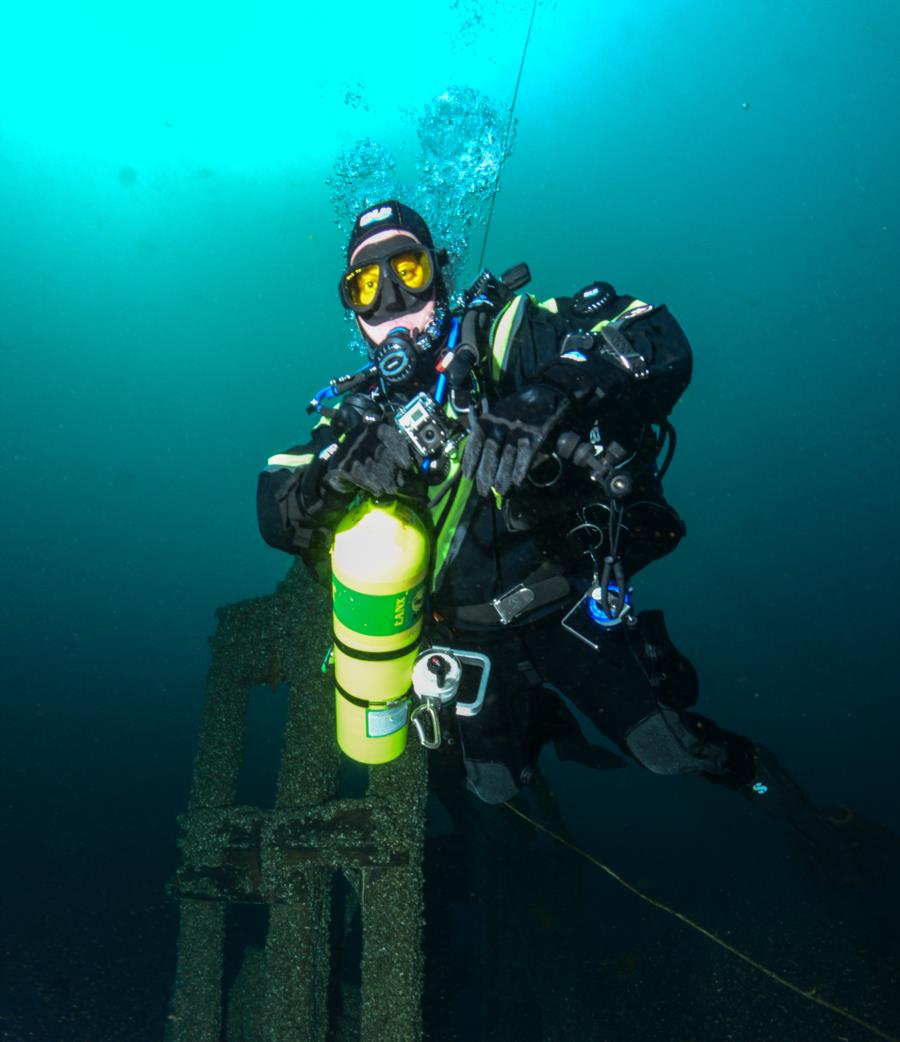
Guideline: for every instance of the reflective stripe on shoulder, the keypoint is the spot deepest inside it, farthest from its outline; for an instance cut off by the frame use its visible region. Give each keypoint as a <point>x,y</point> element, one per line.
<point>502,333</point>
<point>551,305</point>
<point>635,305</point>
<point>286,459</point>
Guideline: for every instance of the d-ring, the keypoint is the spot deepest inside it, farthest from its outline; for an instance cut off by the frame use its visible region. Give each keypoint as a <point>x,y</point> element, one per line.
<point>556,476</point>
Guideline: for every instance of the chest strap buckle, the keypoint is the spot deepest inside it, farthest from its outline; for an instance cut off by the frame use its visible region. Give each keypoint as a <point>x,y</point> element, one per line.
<point>512,603</point>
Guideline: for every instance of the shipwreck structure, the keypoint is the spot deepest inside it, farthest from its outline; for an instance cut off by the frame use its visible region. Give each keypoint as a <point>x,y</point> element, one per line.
<point>289,857</point>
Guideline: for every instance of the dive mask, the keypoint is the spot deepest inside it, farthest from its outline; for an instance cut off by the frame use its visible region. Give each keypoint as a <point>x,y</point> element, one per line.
<point>408,265</point>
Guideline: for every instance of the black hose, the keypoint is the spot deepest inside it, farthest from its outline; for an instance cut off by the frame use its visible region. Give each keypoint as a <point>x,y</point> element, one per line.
<point>669,440</point>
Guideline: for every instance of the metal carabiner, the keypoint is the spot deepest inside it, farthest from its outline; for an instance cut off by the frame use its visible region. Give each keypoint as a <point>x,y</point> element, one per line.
<point>426,709</point>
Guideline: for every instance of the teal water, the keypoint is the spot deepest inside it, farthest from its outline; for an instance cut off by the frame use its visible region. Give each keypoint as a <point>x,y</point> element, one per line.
<point>168,263</point>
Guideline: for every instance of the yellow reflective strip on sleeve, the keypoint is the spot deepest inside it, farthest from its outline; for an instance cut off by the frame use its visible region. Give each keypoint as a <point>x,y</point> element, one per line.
<point>438,501</point>
<point>285,459</point>
<point>631,307</point>
<point>551,305</point>
<point>501,335</point>
<point>446,536</point>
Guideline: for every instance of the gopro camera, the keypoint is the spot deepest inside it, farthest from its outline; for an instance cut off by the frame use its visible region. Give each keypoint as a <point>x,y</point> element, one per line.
<point>422,423</point>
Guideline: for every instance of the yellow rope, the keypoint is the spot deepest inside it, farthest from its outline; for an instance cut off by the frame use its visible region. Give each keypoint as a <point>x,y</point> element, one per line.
<point>809,994</point>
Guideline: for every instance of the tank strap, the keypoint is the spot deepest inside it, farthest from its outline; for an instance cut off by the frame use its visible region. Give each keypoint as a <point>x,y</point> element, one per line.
<point>375,656</point>
<point>365,703</point>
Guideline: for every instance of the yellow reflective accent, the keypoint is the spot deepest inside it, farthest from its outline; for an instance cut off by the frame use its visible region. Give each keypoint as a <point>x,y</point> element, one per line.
<point>458,489</point>
<point>438,501</point>
<point>285,459</point>
<point>606,321</point>
<point>551,305</point>
<point>445,536</point>
<point>501,335</point>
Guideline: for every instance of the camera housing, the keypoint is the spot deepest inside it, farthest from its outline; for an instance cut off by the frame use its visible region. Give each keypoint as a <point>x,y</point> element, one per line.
<point>427,430</point>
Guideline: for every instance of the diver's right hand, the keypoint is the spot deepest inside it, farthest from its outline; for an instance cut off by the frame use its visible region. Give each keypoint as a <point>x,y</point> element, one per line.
<point>375,458</point>
<point>507,438</point>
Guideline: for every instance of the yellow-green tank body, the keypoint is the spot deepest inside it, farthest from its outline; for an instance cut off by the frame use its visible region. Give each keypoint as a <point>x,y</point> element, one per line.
<point>379,569</point>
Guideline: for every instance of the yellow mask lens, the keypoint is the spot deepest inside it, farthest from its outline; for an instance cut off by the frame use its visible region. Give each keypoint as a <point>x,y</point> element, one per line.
<point>410,268</point>
<point>362,284</point>
<point>413,268</point>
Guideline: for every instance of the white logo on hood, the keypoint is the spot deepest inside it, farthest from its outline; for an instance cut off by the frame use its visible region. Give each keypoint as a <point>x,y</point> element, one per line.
<point>381,213</point>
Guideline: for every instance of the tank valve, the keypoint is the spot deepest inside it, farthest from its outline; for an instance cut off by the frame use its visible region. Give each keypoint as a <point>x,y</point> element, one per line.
<point>436,678</point>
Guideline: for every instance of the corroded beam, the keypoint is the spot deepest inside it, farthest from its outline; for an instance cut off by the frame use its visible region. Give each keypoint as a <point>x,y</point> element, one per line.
<point>287,857</point>
<point>250,855</point>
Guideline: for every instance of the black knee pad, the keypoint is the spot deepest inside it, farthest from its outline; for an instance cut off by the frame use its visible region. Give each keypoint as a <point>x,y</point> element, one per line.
<point>665,742</point>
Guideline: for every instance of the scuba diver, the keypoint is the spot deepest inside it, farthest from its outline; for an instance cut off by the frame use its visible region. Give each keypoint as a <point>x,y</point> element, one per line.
<point>532,439</point>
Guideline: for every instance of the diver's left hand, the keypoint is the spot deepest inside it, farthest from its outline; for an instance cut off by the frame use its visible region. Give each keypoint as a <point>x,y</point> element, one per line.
<point>375,458</point>
<point>506,439</point>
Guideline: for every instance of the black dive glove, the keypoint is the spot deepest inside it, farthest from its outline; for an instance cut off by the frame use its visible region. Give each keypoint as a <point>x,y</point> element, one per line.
<point>502,447</point>
<point>375,458</point>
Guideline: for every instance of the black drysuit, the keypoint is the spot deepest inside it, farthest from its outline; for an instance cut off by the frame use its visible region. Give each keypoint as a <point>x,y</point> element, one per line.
<point>635,686</point>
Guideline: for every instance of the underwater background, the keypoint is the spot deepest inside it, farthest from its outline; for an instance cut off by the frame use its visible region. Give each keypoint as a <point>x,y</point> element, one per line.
<point>169,256</point>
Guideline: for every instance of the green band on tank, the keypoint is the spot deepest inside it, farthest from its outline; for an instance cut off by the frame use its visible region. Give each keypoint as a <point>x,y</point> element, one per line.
<point>377,615</point>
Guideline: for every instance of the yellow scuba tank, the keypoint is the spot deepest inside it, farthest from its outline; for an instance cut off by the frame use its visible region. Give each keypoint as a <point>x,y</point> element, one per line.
<point>379,566</point>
